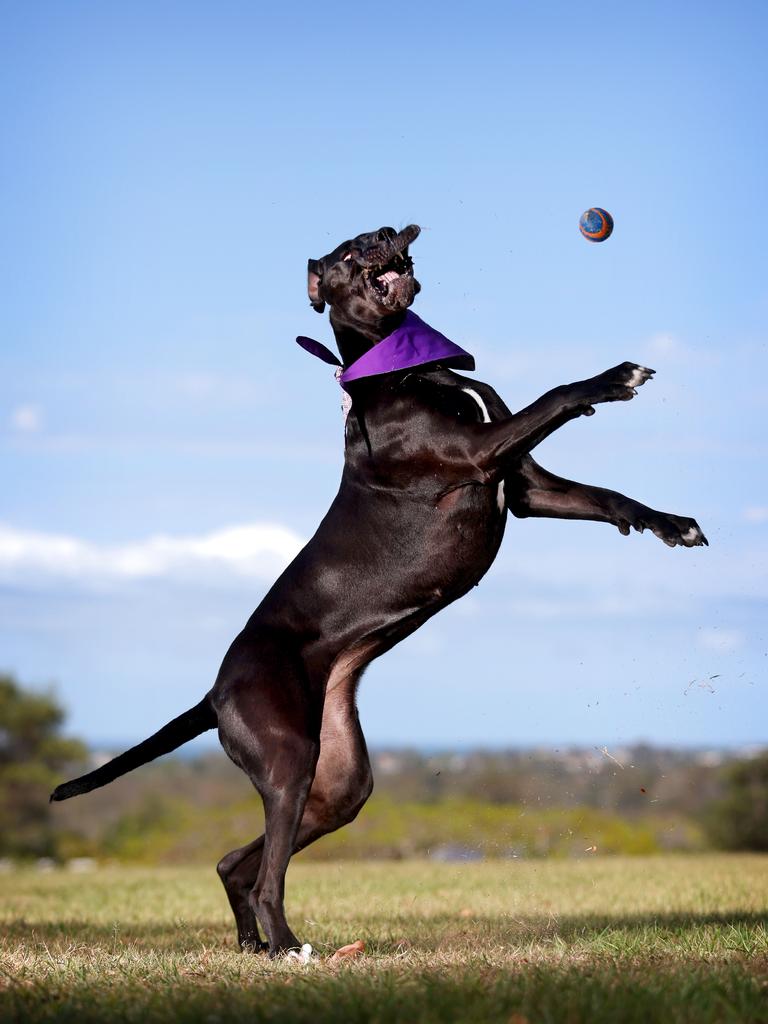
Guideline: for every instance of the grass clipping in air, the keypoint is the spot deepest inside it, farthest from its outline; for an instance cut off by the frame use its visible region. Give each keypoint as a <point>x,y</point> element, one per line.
<point>668,938</point>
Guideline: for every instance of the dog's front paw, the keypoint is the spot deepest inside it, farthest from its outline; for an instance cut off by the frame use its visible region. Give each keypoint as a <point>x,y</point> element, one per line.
<point>673,530</point>
<point>618,384</point>
<point>690,533</point>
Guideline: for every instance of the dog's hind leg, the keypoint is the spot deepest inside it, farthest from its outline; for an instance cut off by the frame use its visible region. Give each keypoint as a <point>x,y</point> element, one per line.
<point>343,782</point>
<point>269,717</point>
<point>343,777</point>
<point>238,871</point>
<point>284,799</point>
<point>284,788</point>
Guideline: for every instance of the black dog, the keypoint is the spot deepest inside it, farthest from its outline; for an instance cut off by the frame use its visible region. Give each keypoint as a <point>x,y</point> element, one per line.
<point>433,461</point>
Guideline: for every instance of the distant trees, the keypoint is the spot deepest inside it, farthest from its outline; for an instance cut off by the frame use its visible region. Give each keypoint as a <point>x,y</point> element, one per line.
<point>503,803</point>
<point>739,821</point>
<point>33,759</point>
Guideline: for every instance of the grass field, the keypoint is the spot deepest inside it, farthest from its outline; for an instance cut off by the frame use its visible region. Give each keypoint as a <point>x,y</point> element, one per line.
<point>668,939</point>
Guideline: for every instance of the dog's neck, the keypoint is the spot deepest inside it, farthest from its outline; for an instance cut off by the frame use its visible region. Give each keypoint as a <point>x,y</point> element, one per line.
<point>354,338</point>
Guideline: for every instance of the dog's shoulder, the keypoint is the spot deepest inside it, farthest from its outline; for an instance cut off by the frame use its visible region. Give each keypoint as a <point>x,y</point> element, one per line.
<point>438,391</point>
<point>458,388</point>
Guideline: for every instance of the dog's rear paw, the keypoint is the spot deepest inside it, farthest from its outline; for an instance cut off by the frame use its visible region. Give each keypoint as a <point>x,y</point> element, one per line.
<point>301,956</point>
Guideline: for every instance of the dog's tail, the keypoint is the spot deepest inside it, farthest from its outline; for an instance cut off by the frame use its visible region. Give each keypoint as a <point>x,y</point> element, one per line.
<point>197,720</point>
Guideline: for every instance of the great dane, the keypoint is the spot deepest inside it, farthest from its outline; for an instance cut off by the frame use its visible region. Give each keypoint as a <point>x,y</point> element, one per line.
<point>433,461</point>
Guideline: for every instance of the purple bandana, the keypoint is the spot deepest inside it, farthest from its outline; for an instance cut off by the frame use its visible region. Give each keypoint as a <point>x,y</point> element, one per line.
<point>412,344</point>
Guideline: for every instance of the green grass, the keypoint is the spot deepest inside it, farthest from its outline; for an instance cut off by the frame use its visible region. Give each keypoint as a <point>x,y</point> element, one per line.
<point>677,938</point>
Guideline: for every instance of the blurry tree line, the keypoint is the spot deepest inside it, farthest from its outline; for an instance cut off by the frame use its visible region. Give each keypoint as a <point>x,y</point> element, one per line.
<point>32,757</point>
<point>523,803</point>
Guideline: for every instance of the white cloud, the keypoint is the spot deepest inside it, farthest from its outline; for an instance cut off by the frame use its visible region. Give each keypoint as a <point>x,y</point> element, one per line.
<point>27,419</point>
<point>299,450</point>
<point>256,550</point>
<point>532,366</point>
<point>756,513</point>
<point>721,640</point>
<point>672,349</point>
<point>665,344</point>
<point>222,388</point>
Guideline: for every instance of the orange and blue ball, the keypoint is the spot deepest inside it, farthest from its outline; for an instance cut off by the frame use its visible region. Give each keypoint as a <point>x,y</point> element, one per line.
<point>596,224</point>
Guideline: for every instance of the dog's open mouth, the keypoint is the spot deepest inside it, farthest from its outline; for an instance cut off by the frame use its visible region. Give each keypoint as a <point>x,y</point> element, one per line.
<point>388,280</point>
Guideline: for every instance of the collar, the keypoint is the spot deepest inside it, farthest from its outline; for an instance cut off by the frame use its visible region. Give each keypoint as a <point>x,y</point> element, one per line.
<point>412,344</point>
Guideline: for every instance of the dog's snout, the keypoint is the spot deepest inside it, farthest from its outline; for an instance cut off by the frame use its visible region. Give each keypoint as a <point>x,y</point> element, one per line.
<point>385,235</point>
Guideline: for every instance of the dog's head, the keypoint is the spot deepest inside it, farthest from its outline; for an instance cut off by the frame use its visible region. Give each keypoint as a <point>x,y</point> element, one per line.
<point>367,278</point>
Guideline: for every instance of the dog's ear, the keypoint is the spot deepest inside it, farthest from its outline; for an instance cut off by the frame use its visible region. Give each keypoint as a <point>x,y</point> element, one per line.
<point>314,277</point>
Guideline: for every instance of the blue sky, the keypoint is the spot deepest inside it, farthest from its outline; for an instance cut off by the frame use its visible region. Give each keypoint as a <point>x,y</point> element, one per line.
<point>165,446</point>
